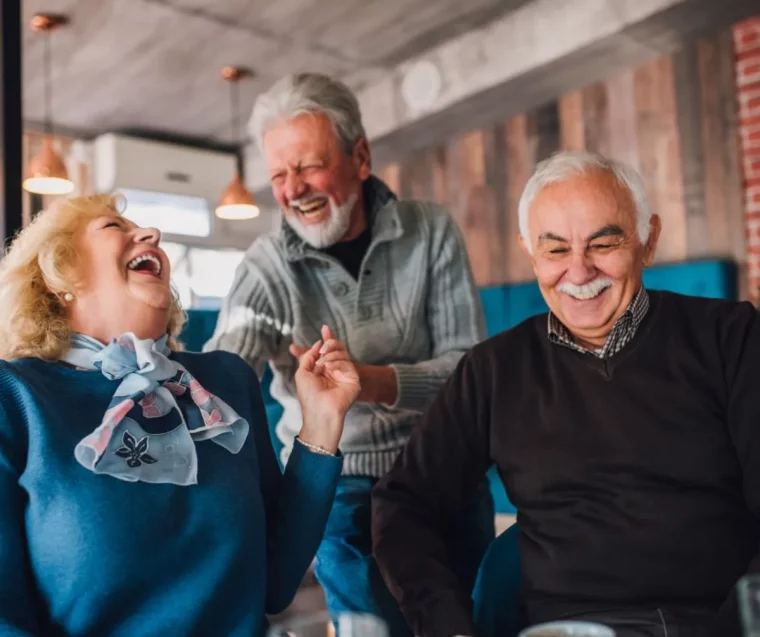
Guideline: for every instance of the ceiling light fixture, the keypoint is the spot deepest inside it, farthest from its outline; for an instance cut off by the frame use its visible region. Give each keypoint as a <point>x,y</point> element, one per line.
<point>236,202</point>
<point>46,173</point>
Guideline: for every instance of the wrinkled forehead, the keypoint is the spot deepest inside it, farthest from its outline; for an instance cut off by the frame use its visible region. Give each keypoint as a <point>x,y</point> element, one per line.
<point>302,135</point>
<point>580,205</point>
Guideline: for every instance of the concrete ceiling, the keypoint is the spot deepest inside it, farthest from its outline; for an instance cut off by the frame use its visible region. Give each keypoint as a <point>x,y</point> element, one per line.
<point>152,66</point>
<point>518,61</point>
<point>533,55</point>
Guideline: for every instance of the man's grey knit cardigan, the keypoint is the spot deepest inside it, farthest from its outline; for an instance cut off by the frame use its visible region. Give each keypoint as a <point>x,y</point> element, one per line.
<point>415,307</point>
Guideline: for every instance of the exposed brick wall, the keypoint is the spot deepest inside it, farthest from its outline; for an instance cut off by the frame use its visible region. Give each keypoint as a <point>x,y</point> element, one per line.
<point>747,47</point>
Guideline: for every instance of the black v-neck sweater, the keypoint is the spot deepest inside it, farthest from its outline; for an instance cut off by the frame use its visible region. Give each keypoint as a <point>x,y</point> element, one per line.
<point>636,478</point>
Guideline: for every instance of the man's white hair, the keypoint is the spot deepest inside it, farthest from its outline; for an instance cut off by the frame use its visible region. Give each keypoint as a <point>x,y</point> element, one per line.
<point>566,164</point>
<point>309,93</point>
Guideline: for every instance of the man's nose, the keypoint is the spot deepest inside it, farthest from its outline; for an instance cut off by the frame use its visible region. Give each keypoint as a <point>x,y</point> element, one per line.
<point>581,269</point>
<point>294,186</point>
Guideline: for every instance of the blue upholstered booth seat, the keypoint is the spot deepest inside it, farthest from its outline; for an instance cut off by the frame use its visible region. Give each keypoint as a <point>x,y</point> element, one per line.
<point>507,305</point>
<point>496,594</point>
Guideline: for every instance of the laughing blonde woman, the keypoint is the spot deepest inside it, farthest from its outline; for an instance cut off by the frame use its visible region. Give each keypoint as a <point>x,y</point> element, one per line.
<point>139,491</point>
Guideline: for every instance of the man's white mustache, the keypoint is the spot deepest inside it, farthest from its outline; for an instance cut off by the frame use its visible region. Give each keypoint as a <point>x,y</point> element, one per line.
<point>587,290</point>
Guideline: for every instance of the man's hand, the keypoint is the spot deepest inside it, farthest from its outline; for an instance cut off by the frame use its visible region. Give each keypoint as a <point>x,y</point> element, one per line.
<point>378,382</point>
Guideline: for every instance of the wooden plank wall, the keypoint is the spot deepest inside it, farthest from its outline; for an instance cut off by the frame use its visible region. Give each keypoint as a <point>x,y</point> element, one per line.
<point>673,119</point>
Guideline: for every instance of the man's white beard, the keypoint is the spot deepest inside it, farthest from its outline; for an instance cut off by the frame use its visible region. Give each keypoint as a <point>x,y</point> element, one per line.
<point>330,231</point>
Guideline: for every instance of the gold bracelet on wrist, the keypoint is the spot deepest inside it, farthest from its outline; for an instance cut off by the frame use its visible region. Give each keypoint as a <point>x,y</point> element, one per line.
<point>315,448</point>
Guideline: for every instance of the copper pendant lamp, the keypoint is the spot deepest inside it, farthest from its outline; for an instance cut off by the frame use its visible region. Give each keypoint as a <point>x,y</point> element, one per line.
<point>236,202</point>
<point>46,173</point>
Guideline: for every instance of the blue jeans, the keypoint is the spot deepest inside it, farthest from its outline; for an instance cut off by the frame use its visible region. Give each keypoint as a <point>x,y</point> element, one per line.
<point>347,571</point>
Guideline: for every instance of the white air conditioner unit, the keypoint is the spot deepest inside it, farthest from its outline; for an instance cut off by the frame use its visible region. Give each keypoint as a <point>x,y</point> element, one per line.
<point>141,164</point>
<point>173,187</point>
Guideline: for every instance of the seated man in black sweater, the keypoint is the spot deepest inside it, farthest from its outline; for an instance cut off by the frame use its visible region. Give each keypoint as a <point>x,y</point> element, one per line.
<point>625,425</point>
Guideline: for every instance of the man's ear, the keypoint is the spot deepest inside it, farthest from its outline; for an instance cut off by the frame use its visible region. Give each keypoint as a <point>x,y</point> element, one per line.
<point>362,159</point>
<point>655,227</point>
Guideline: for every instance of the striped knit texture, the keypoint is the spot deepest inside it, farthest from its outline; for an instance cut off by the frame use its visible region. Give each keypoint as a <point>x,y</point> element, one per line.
<point>415,307</point>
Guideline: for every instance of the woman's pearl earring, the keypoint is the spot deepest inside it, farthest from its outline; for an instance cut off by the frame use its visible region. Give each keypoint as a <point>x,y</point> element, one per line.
<point>68,297</point>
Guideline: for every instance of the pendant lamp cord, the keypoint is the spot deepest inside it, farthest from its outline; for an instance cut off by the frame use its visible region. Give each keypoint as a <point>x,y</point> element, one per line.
<point>235,112</point>
<point>48,87</point>
<point>237,134</point>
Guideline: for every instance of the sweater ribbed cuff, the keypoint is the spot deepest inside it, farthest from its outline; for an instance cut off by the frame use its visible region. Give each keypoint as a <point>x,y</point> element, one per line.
<point>414,387</point>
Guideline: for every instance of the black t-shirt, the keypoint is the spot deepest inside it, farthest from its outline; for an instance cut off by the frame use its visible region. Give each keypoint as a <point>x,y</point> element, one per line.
<point>351,253</point>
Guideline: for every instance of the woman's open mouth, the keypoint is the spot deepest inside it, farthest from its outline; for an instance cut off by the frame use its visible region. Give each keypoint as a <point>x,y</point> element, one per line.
<point>146,263</point>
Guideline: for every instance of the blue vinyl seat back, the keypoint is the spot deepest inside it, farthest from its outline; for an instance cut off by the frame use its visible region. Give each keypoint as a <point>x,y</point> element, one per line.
<point>496,594</point>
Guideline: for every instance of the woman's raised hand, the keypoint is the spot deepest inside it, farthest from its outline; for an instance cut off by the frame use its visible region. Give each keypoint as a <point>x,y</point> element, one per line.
<point>327,384</point>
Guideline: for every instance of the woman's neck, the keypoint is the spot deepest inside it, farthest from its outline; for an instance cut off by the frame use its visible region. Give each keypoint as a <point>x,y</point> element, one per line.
<point>106,333</point>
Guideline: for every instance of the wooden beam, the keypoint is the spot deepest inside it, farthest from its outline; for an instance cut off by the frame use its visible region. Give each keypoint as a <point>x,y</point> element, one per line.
<point>623,119</point>
<point>416,176</point>
<point>572,133</point>
<point>660,154</point>
<point>495,154</point>
<point>521,159</point>
<point>439,176</point>
<point>476,207</point>
<point>722,181</point>
<point>596,118</point>
<point>390,174</point>
<point>688,89</point>
<point>545,125</point>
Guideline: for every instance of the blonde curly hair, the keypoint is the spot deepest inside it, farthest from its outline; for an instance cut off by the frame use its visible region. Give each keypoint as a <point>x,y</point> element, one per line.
<point>38,271</point>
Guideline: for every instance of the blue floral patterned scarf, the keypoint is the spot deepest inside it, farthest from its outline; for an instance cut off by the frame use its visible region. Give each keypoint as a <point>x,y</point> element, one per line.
<point>155,387</point>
